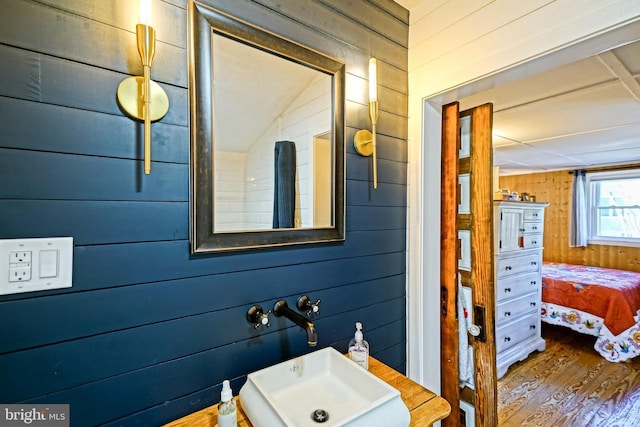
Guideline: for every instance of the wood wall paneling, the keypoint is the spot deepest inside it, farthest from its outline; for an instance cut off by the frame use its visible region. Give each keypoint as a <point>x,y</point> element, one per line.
<point>388,171</point>
<point>124,15</point>
<point>354,51</point>
<point>88,178</point>
<point>57,81</point>
<point>390,100</point>
<point>96,222</point>
<point>369,15</point>
<point>357,116</point>
<point>87,41</point>
<point>67,366</point>
<point>65,130</point>
<point>148,332</point>
<point>555,188</point>
<point>353,29</point>
<point>388,148</point>
<point>372,218</point>
<point>394,9</point>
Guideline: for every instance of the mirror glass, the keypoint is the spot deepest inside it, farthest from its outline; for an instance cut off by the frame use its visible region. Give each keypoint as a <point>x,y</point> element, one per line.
<point>267,137</point>
<point>262,102</point>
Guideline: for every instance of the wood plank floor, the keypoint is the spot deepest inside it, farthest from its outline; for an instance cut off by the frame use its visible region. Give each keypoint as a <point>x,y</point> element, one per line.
<point>569,384</point>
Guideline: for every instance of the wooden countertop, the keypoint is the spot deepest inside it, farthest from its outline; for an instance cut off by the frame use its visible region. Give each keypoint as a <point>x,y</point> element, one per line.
<point>424,406</point>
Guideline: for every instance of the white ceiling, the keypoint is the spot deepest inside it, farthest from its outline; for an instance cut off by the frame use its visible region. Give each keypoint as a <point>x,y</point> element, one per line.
<point>252,89</point>
<point>581,115</point>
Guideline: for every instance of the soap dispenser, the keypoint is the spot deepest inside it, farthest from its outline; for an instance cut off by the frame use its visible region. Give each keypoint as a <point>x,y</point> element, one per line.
<point>359,348</point>
<point>227,413</point>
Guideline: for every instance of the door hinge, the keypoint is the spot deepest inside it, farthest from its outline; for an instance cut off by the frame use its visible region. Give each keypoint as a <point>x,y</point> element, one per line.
<point>444,300</point>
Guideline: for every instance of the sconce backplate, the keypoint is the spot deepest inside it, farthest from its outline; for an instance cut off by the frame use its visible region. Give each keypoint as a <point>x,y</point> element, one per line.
<point>363,142</point>
<point>130,98</point>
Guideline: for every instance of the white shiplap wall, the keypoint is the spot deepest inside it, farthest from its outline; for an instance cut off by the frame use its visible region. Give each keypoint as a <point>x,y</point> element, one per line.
<point>307,116</point>
<point>454,46</point>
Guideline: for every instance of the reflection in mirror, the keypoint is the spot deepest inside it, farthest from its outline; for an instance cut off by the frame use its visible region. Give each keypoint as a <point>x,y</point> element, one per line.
<point>267,137</point>
<point>262,101</point>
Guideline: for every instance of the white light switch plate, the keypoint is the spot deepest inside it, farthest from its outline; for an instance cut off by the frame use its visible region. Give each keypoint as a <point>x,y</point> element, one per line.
<point>28,265</point>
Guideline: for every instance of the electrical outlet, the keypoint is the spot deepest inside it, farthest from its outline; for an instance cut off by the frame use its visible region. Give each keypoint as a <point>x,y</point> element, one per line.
<point>40,264</point>
<point>19,274</point>
<point>19,257</point>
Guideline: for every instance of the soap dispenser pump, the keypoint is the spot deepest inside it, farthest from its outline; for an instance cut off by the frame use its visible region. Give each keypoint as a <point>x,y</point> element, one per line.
<point>359,348</point>
<point>227,412</point>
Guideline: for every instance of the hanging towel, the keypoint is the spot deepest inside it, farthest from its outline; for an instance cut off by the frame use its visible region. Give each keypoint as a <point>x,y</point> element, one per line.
<point>284,197</point>
<point>464,321</point>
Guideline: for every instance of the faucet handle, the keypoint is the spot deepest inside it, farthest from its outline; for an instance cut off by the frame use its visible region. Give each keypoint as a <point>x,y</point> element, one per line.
<point>258,317</point>
<point>305,304</point>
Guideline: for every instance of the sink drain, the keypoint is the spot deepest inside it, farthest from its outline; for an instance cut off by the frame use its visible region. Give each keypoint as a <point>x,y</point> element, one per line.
<point>320,416</point>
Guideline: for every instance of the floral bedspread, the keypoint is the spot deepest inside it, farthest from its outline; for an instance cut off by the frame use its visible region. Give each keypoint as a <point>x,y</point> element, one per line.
<point>596,301</point>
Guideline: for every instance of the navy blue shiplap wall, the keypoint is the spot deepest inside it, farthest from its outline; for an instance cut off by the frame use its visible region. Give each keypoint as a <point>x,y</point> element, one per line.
<point>148,332</point>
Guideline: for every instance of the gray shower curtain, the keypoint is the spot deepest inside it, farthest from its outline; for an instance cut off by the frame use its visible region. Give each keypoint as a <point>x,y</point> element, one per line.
<point>284,197</point>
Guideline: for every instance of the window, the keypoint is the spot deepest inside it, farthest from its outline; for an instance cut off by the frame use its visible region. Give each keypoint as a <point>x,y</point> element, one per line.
<point>614,207</point>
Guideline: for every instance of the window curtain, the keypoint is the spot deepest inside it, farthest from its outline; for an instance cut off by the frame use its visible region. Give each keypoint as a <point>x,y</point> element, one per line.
<point>284,197</point>
<point>578,232</point>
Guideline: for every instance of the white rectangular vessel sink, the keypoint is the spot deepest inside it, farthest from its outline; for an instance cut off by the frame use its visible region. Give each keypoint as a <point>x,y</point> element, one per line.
<point>323,388</point>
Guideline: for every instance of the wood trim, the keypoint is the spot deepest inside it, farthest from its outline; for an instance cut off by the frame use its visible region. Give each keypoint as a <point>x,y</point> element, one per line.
<point>449,353</point>
<point>482,263</point>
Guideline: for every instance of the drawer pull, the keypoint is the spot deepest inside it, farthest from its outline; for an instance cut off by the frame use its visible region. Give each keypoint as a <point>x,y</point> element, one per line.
<point>507,339</point>
<point>534,262</point>
<point>532,327</point>
<point>507,313</point>
<point>535,228</point>
<point>508,267</point>
<point>507,289</point>
<point>532,304</point>
<point>534,282</point>
<point>534,242</point>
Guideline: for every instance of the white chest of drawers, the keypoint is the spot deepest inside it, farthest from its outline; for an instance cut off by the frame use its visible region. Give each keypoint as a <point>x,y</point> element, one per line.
<point>518,228</point>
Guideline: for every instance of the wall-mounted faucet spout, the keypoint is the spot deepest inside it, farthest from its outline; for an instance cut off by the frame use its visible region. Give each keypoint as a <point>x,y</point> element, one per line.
<point>281,308</point>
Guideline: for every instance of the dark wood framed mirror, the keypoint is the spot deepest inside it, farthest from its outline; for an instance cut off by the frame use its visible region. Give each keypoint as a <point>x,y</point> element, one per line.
<point>267,137</point>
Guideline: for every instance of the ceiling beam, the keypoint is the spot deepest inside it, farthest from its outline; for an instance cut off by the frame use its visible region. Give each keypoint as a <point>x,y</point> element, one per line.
<point>611,61</point>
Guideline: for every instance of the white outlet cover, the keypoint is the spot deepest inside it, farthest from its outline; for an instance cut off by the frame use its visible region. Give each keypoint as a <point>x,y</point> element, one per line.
<point>39,277</point>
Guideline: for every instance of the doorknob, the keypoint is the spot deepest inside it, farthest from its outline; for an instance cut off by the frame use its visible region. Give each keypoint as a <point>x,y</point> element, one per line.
<point>475,330</point>
<point>478,328</point>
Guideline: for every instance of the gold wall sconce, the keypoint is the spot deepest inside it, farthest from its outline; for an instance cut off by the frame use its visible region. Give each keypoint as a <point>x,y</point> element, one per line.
<point>139,96</point>
<point>365,141</point>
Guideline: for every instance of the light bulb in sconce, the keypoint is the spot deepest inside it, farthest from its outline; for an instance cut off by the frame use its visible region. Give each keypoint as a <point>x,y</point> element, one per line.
<point>365,141</point>
<point>144,15</point>
<point>139,96</point>
<point>373,80</point>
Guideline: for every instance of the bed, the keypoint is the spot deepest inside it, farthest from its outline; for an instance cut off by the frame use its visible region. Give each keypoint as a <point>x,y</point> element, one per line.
<point>596,301</point>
